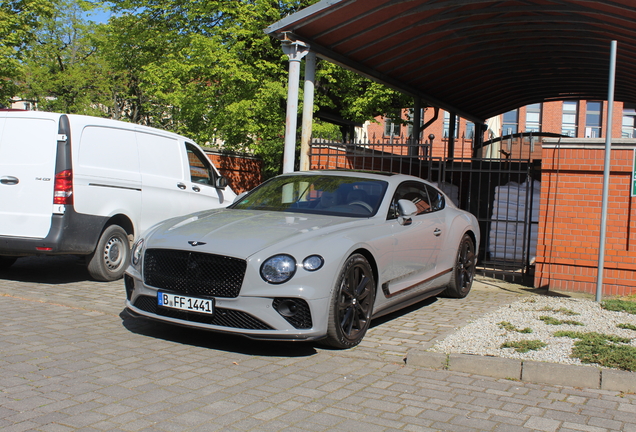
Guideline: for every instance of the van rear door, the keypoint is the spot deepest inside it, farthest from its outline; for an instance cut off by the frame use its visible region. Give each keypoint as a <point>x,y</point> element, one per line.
<point>28,147</point>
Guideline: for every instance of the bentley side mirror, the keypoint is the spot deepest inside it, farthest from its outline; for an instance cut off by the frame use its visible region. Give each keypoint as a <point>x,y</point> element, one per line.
<point>406,210</point>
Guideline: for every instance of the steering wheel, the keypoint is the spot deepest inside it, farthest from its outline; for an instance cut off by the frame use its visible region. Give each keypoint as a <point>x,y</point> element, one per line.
<point>362,204</point>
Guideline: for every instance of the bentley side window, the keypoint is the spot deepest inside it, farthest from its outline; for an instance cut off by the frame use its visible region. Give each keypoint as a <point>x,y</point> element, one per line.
<point>416,193</point>
<point>437,199</point>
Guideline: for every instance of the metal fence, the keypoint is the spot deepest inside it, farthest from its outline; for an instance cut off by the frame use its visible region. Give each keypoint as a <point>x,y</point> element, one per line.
<point>501,191</point>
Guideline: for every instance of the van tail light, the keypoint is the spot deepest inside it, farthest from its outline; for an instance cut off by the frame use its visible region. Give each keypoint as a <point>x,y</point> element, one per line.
<point>63,191</point>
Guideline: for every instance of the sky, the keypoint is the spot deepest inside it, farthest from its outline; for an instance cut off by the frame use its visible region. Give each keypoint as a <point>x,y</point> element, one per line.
<point>99,16</point>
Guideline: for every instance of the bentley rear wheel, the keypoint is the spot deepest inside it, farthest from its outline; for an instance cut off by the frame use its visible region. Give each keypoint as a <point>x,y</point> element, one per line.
<point>464,270</point>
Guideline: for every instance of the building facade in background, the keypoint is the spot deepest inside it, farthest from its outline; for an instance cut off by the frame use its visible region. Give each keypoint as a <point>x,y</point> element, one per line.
<point>575,119</point>
<point>566,232</point>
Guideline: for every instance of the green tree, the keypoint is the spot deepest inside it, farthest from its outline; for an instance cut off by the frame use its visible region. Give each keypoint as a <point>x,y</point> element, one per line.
<point>19,21</point>
<point>204,69</point>
<point>64,72</point>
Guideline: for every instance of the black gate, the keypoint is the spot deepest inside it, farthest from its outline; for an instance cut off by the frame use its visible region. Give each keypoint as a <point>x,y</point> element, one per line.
<point>501,187</point>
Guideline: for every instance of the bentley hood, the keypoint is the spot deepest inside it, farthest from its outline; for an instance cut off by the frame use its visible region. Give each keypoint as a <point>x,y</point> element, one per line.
<point>242,233</point>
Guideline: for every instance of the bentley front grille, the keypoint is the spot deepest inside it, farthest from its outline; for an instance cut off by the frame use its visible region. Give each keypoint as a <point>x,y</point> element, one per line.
<point>194,273</point>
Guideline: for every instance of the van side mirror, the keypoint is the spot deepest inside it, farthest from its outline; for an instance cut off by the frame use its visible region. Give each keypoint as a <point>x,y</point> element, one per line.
<point>220,182</point>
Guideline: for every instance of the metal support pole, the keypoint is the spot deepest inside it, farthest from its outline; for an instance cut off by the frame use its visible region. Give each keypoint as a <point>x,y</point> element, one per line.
<point>308,110</point>
<point>606,173</point>
<point>295,50</point>
<point>451,134</point>
<point>414,149</point>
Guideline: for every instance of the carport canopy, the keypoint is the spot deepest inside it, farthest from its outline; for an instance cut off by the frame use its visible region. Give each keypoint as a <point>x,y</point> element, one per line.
<point>476,58</point>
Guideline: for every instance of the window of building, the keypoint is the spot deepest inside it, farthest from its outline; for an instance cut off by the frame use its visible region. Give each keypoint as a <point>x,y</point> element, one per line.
<point>568,122</point>
<point>510,122</point>
<point>629,123</point>
<point>593,112</point>
<point>470,130</point>
<point>533,118</point>
<point>447,125</point>
<point>392,124</point>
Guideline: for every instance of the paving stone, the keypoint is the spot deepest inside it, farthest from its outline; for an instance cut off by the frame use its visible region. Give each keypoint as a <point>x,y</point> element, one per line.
<point>80,366</point>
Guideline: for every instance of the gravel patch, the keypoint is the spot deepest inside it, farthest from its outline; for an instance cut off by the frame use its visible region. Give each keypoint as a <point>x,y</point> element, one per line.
<point>485,336</point>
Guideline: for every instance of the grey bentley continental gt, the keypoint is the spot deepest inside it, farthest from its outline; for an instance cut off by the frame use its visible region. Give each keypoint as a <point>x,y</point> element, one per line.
<point>312,255</point>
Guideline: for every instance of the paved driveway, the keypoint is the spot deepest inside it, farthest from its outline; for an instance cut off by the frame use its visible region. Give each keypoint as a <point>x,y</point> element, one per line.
<point>71,360</point>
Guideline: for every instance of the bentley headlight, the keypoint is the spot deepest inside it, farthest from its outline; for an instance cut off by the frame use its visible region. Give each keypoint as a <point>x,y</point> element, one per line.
<point>313,262</point>
<point>137,251</point>
<point>278,269</point>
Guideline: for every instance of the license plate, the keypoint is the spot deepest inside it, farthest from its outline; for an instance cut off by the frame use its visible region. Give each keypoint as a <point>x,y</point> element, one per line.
<point>191,304</point>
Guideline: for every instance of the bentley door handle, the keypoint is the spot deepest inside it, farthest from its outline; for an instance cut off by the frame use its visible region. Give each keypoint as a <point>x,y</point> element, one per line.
<point>181,186</point>
<point>437,232</point>
<point>9,180</point>
<point>196,188</point>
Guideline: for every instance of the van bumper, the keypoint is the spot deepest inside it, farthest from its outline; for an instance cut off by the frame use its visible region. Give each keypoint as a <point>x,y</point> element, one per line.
<point>71,233</point>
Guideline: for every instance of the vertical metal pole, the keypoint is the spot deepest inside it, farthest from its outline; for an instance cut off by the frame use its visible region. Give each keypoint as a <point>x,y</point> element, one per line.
<point>414,148</point>
<point>606,173</point>
<point>452,118</point>
<point>295,50</point>
<point>308,110</point>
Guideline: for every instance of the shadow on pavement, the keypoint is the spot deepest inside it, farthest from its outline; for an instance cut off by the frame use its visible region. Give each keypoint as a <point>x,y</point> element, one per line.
<point>404,311</point>
<point>240,344</point>
<point>213,340</point>
<point>48,269</point>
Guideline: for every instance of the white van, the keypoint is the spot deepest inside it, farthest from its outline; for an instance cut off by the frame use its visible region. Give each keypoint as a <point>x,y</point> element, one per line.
<point>72,184</point>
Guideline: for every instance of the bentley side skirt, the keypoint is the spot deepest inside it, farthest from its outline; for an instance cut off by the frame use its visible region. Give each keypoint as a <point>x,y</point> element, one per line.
<point>387,294</point>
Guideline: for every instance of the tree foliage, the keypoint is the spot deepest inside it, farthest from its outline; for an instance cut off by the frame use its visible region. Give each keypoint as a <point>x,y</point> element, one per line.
<point>64,71</point>
<point>19,21</point>
<point>201,68</point>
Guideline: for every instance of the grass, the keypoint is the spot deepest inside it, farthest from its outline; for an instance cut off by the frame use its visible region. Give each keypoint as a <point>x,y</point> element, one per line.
<point>553,321</point>
<point>524,346</point>
<point>509,327</point>
<point>564,311</point>
<point>627,326</point>
<point>617,305</point>
<point>602,349</point>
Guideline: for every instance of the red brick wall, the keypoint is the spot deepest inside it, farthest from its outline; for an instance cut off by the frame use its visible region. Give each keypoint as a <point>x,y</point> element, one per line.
<point>570,217</point>
<point>243,172</point>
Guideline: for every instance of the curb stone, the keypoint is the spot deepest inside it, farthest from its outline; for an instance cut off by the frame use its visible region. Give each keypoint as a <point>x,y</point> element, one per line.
<point>618,380</point>
<point>495,367</point>
<point>560,374</point>
<point>529,371</point>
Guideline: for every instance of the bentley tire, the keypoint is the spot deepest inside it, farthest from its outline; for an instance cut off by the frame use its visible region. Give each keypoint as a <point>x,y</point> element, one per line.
<point>464,270</point>
<point>351,303</point>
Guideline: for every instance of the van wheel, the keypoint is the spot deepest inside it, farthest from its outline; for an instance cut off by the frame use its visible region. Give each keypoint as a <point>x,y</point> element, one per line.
<point>111,255</point>
<point>6,262</point>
